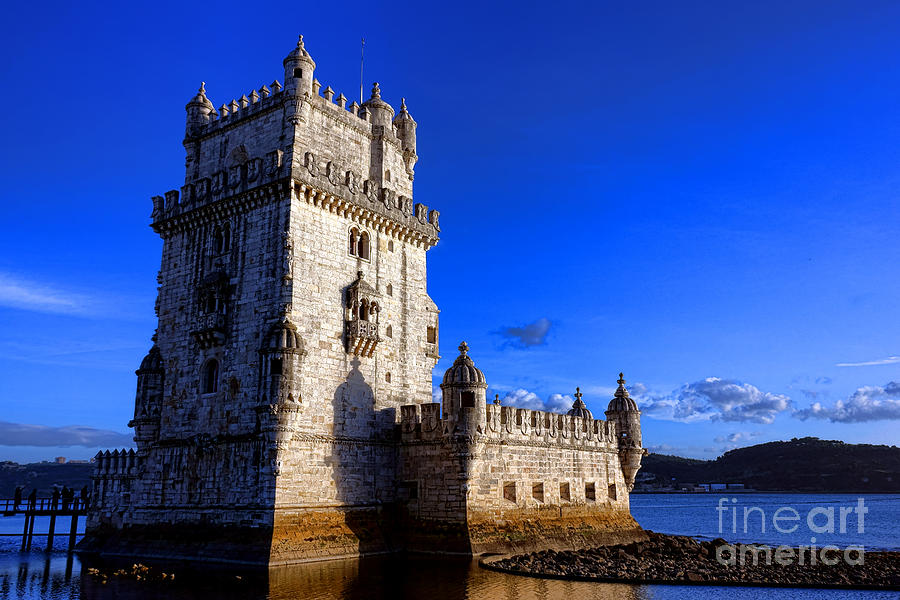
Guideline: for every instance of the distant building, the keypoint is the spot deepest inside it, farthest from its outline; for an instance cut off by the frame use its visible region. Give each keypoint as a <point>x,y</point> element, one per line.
<point>60,460</point>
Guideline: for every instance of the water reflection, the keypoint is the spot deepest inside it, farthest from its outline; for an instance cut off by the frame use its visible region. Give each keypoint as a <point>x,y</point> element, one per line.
<point>57,577</point>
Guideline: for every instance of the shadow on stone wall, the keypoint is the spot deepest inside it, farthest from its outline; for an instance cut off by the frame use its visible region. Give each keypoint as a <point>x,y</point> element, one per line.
<point>355,463</point>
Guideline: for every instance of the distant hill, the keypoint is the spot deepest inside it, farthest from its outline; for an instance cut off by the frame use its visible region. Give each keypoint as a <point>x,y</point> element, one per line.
<point>43,476</point>
<point>803,465</point>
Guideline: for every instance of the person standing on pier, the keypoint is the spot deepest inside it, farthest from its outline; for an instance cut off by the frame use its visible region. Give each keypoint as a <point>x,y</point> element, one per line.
<point>32,499</point>
<point>54,501</point>
<point>17,498</point>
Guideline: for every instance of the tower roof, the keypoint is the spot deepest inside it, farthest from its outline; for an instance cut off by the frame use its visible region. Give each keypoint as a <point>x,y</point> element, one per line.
<point>464,372</point>
<point>579,409</point>
<point>621,402</point>
<point>201,99</point>
<point>299,53</point>
<point>403,115</point>
<point>375,100</point>
<point>153,362</point>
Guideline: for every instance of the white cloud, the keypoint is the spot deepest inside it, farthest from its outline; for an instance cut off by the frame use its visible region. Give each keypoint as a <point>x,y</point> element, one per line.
<point>558,403</point>
<point>714,399</point>
<point>890,360</point>
<point>737,437</point>
<point>869,403</point>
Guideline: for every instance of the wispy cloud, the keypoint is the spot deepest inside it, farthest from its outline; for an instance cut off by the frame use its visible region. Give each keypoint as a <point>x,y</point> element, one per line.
<point>25,294</point>
<point>737,437</point>
<point>713,399</point>
<point>890,360</point>
<point>526,336</point>
<point>869,403</point>
<point>18,434</point>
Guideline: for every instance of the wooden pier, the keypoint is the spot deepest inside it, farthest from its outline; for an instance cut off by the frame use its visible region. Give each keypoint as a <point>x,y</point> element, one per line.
<point>45,507</point>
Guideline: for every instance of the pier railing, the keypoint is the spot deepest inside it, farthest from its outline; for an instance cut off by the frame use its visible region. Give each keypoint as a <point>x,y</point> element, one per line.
<point>46,507</point>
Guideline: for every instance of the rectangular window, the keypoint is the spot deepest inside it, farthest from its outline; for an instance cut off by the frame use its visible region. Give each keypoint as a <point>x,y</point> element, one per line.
<point>537,492</point>
<point>409,490</point>
<point>612,492</point>
<point>468,399</point>
<point>432,335</point>
<point>275,367</point>
<point>564,493</point>
<point>590,492</point>
<point>509,491</point>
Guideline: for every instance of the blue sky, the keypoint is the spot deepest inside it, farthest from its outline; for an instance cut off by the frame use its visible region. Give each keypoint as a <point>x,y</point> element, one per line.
<point>701,195</point>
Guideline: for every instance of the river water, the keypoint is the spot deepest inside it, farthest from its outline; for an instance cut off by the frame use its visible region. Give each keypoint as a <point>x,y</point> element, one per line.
<point>56,575</point>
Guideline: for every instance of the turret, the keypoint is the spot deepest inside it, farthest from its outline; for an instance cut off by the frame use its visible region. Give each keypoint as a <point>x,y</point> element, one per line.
<point>298,71</point>
<point>380,112</point>
<point>148,399</point>
<point>623,411</point>
<point>198,111</point>
<point>463,396</point>
<point>406,128</point>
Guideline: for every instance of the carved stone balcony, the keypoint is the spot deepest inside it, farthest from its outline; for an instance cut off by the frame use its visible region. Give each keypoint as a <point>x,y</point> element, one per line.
<point>431,350</point>
<point>362,337</point>
<point>209,330</point>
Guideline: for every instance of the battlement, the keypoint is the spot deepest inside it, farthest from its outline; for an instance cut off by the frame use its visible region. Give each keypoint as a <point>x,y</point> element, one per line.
<point>423,422</point>
<point>118,462</point>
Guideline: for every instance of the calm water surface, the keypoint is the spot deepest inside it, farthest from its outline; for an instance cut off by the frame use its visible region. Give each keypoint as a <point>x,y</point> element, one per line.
<point>56,576</point>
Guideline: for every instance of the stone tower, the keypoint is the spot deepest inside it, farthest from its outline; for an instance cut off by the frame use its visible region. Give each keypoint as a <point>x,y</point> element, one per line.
<point>294,321</point>
<point>624,412</point>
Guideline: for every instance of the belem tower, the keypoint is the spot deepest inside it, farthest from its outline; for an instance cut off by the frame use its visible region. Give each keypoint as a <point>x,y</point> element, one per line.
<point>284,412</point>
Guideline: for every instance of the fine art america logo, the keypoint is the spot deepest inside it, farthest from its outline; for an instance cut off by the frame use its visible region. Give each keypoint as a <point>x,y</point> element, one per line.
<point>786,520</point>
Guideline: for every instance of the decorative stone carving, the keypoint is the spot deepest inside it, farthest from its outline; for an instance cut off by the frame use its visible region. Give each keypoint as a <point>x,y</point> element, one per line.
<point>218,182</point>
<point>254,166</point>
<point>389,198</point>
<point>371,189</point>
<point>352,182</point>
<point>434,218</point>
<point>273,162</point>
<point>201,189</point>
<point>234,176</point>
<point>312,164</point>
<point>333,172</point>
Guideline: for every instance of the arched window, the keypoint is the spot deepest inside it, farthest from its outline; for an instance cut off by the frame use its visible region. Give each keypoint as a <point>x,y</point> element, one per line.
<point>387,175</point>
<point>218,241</point>
<point>354,238</point>
<point>363,245</point>
<point>390,331</point>
<point>210,377</point>
<point>364,310</point>
<point>226,237</point>
<point>391,245</point>
<point>387,377</point>
<point>390,290</point>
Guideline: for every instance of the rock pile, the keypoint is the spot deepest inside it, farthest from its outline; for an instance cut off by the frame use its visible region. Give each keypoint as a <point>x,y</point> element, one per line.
<point>682,559</point>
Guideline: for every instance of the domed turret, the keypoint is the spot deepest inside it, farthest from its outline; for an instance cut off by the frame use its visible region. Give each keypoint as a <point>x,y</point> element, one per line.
<point>579,409</point>
<point>148,399</point>
<point>381,113</point>
<point>463,390</point>
<point>298,70</point>
<point>624,412</point>
<point>198,111</point>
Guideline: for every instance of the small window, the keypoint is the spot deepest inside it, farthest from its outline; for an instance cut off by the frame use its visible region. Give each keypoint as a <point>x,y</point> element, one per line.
<point>387,175</point>
<point>431,335</point>
<point>362,246</point>
<point>298,72</point>
<point>612,491</point>
<point>211,377</point>
<point>387,377</point>
<point>391,245</point>
<point>590,492</point>
<point>409,490</point>
<point>565,495</point>
<point>537,492</point>
<point>218,241</point>
<point>275,367</point>
<point>509,491</point>
<point>468,399</point>
<point>354,239</point>
<point>390,290</point>
<point>389,331</point>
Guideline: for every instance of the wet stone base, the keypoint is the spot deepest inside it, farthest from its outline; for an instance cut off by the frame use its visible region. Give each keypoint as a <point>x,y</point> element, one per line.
<point>684,560</point>
<point>183,541</point>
